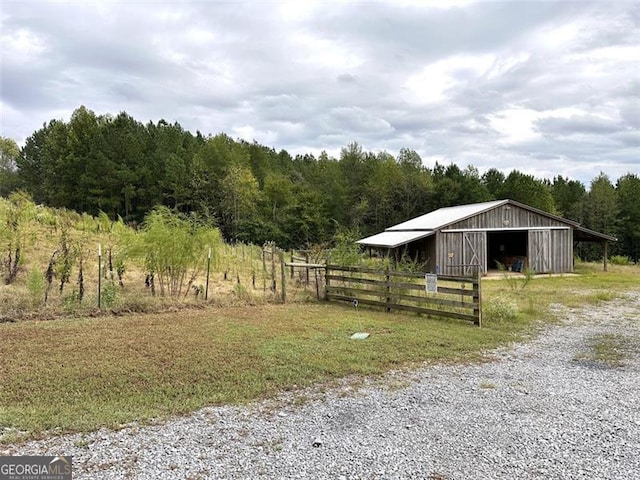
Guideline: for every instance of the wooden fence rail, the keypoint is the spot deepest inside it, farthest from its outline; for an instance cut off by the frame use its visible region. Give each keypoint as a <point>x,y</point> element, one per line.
<point>457,297</point>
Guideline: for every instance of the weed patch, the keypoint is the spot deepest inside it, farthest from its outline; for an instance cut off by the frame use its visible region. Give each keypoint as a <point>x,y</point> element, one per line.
<point>606,350</point>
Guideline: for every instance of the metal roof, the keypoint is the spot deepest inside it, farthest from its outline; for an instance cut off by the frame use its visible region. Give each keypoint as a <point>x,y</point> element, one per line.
<point>392,239</point>
<point>445,216</point>
<point>427,224</point>
<point>582,234</point>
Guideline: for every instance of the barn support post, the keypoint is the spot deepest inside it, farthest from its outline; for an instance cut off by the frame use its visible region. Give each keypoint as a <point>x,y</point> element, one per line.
<point>605,247</point>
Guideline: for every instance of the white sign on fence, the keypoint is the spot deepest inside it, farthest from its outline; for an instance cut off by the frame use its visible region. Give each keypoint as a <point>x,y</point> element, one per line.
<point>431,282</point>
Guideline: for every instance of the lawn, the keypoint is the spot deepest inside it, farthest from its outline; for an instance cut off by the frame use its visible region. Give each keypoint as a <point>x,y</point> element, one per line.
<point>81,374</point>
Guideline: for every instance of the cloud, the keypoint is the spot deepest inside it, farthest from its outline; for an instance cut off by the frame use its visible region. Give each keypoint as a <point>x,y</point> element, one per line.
<point>577,125</point>
<point>546,86</point>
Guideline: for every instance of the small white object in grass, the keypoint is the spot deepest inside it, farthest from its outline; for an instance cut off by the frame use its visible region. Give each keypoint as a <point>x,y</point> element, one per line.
<point>359,336</point>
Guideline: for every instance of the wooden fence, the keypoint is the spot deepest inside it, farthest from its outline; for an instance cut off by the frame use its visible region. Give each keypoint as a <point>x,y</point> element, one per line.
<point>456,297</point>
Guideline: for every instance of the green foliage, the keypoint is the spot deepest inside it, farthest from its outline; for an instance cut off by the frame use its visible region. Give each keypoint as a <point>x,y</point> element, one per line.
<point>175,248</point>
<point>15,233</point>
<point>67,254</point>
<point>528,190</point>
<point>123,168</point>
<point>109,295</point>
<point>9,153</point>
<point>568,196</point>
<point>71,302</point>
<point>620,260</point>
<point>500,309</point>
<point>516,281</point>
<point>36,286</point>
<point>601,207</point>
<point>628,218</point>
<point>241,292</point>
<point>345,251</point>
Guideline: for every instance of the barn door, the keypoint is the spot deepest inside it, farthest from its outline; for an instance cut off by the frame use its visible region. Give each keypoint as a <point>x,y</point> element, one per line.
<point>540,250</point>
<point>474,252</point>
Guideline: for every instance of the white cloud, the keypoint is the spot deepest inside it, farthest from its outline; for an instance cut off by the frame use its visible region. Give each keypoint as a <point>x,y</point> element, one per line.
<point>495,84</point>
<point>432,82</point>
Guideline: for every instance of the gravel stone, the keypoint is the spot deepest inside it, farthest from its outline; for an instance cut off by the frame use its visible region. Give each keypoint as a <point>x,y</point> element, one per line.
<point>533,410</point>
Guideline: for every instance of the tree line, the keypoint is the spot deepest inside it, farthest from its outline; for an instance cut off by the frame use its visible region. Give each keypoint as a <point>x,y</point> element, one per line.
<point>253,193</point>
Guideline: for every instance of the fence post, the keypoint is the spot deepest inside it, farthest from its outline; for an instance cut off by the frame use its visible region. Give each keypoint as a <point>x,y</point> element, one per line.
<point>206,288</point>
<point>478,312</point>
<point>326,281</point>
<point>273,268</point>
<point>388,289</point>
<point>99,274</point>
<point>283,279</point>
<point>292,260</point>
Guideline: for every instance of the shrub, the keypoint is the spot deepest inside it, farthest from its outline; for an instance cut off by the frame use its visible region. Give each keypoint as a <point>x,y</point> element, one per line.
<point>242,293</point>
<point>346,251</point>
<point>36,286</point>
<point>620,260</point>
<point>71,303</point>
<point>109,295</point>
<point>500,309</point>
<point>175,249</point>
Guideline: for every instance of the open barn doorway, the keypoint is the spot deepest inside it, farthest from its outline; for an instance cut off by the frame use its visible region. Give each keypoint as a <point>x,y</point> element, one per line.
<point>506,248</point>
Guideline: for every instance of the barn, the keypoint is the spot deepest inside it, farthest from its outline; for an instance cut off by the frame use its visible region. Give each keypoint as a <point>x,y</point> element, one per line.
<point>459,240</point>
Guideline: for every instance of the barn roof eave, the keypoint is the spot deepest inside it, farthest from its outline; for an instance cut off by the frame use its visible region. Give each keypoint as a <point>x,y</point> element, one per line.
<point>583,234</point>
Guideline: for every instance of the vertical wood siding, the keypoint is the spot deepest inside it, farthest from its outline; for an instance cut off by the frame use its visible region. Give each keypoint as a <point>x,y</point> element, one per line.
<point>474,252</point>
<point>548,251</point>
<point>539,251</point>
<point>509,216</point>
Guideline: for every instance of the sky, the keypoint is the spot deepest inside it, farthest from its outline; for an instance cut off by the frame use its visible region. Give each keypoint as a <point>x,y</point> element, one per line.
<point>548,88</point>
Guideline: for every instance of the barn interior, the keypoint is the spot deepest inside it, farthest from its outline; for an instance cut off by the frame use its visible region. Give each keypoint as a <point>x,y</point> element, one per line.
<point>506,248</point>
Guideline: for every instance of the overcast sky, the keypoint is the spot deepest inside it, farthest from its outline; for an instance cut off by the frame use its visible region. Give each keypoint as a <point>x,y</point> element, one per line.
<point>547,88</point>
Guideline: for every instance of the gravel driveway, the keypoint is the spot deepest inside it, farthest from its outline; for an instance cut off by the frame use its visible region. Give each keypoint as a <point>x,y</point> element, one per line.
<point>544,409</point>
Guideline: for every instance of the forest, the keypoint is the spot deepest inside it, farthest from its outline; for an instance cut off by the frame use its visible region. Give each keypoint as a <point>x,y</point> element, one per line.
<point>254,194</point>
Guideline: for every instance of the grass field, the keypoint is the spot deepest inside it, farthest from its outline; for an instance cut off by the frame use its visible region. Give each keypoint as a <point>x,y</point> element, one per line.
<point>80,374</point>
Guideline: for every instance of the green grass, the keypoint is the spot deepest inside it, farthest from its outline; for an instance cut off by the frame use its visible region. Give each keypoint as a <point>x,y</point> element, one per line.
<point>80,374</point>
<point>77,375</point>
<point>607,349</point>
<point>591,286</point>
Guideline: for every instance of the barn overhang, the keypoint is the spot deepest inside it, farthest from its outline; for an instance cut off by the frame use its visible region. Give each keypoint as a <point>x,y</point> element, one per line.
<point>581,234</point>
<point>394,239</point>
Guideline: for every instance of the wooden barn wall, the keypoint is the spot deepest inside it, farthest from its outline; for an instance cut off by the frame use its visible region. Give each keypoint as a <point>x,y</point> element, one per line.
<point>507,216</point>
<point>431,254</point>
<point>466,248</point>
<point>561,251</point>
<point>550,251</point>
<point>445,243</point>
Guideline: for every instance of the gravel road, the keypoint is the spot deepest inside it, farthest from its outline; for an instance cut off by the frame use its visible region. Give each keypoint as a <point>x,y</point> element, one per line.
<point>545,409</point>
